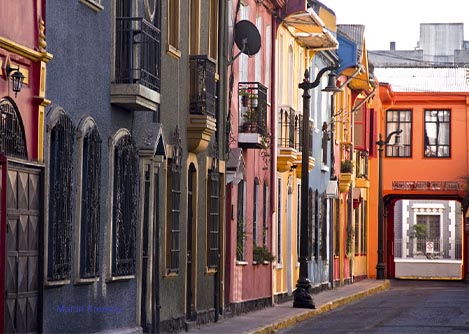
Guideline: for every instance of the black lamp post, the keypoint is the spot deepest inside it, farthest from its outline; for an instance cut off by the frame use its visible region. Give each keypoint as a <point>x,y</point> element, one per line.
<point>381,143</point>
<point>301,295</point>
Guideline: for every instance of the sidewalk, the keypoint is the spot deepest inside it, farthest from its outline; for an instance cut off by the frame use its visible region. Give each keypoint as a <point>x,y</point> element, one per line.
<point>283,315</point>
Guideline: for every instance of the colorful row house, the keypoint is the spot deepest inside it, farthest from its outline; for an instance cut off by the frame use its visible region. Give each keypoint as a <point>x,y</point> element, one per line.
<point>250,177</point>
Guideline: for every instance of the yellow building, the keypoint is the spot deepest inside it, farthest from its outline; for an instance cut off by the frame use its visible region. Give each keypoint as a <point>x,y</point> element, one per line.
<point>299,37</point>
<point>355,120</point>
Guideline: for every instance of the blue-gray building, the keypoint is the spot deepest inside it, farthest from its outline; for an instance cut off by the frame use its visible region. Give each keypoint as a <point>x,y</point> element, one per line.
<point>134,156</point>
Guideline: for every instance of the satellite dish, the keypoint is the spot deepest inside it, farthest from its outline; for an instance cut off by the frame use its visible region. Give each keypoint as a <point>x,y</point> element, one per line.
<point>247,38</point>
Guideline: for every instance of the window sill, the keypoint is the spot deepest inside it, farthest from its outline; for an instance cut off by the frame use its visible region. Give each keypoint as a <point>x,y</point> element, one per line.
<point>119,278</point>
<point>56,284</point>
<point>210,271</point>
<point>241,263</point>
<point>85,281</point>
<point>170,274</point>
<point>173,51</point>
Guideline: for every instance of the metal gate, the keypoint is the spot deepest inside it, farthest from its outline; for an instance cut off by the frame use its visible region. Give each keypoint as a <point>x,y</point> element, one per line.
<point>21,228</point>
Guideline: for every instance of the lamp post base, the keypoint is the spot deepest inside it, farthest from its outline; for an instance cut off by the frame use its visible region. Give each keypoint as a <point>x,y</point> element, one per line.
<point>380,271</point>
<point>301,296</point>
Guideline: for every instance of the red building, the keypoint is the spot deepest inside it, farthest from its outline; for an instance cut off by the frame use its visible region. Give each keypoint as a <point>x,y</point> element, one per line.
<point>250,172</point>
<point>23,56</point>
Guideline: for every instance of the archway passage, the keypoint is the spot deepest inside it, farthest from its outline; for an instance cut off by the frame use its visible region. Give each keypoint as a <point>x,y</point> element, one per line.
<point>425,238</point>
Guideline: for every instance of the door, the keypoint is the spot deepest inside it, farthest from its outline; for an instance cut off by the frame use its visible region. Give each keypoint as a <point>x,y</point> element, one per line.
<point>145,320</point>
<point>23,262</point>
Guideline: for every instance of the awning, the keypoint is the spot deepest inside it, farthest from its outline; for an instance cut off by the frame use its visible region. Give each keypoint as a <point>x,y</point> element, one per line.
<point>235,166</point>
<point>308,28</point>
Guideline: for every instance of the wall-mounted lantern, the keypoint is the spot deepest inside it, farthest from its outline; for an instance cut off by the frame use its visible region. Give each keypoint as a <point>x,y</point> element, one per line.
<point>17,78</point>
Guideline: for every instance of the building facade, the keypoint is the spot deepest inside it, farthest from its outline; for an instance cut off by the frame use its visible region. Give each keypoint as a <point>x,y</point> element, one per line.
<point>249,189</point>
<point>134,214</point>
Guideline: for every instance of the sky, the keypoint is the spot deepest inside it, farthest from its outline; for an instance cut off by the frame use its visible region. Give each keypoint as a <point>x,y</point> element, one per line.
<point>398,20</point>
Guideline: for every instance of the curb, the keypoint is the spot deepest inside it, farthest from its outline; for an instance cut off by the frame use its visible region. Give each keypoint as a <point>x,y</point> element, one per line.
<point>291,321</point>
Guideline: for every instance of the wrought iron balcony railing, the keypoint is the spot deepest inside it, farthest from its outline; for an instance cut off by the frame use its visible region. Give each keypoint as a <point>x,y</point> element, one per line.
<point>138,59</point>
<point>288,128</point>
<point>203,87</point>
<point>252,107</point>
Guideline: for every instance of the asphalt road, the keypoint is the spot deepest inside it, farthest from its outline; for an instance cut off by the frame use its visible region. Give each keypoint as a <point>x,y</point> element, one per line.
<point>418,307</point>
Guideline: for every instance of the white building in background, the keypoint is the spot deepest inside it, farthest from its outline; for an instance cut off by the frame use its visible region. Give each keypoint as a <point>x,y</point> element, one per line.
<point>428,239</point>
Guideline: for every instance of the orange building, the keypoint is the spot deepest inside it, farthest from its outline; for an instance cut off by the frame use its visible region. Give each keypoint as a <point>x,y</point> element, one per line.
<point>430,106</point>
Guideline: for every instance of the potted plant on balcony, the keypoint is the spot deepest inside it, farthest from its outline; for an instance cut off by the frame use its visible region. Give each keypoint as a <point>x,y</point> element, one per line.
<point>346,166</point>
<point>250,120</point>
<point>346,175</point>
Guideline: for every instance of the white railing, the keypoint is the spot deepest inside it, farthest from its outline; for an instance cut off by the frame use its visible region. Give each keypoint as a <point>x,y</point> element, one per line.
<point>431,249</point>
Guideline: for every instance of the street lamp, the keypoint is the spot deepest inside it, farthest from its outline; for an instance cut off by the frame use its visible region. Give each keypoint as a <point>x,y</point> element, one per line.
<point>301,295</point>
<point>381,143</point>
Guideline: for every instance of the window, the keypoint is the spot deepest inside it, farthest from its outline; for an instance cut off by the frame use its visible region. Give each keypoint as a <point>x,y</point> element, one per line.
<point>125,198</point>
<point>174,211</point>
<point>298,222</point>
<point>437,133</point>
<point>60,199</point>
<point>258,60</point>
<point>240,225</point>
<point>399,119</point>
<point>173,23</point>
<point>213,30</point>
<point>89,202</point>
<point>213,228</point>
<point>323,220</point>
<point>360,229</point>
<point>255,218</point>
<point>194,27</point>
<point>279,222</point>
<point>265,214</point>
<point>430,232</point>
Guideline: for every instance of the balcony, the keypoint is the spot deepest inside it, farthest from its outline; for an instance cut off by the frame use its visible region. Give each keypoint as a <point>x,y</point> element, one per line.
<point>288,138</point>
<point>136,83</point>
<point>252,114</point>
<point>299,148</point>
<point>202,122</point>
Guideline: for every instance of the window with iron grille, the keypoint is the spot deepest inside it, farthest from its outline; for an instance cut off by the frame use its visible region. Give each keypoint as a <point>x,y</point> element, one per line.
<point>279,221</point>
<point>174,211</point>
<point>255,218</point>
<point>437,133</point>
<point>213,227</point>
<point>90,206</point>
<point>125,207</point>
<point>323,219</point>
<point>399,119</point>
<point>12,139</point>
<point>265,213</point>
<point>60,195</point>
<point>240,225</point>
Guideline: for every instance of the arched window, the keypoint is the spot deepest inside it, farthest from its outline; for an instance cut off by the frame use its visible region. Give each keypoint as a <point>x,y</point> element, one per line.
<point>89,197</point>
<point>125,206</point>
<point>61,138</point>
<point>12,139</point>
